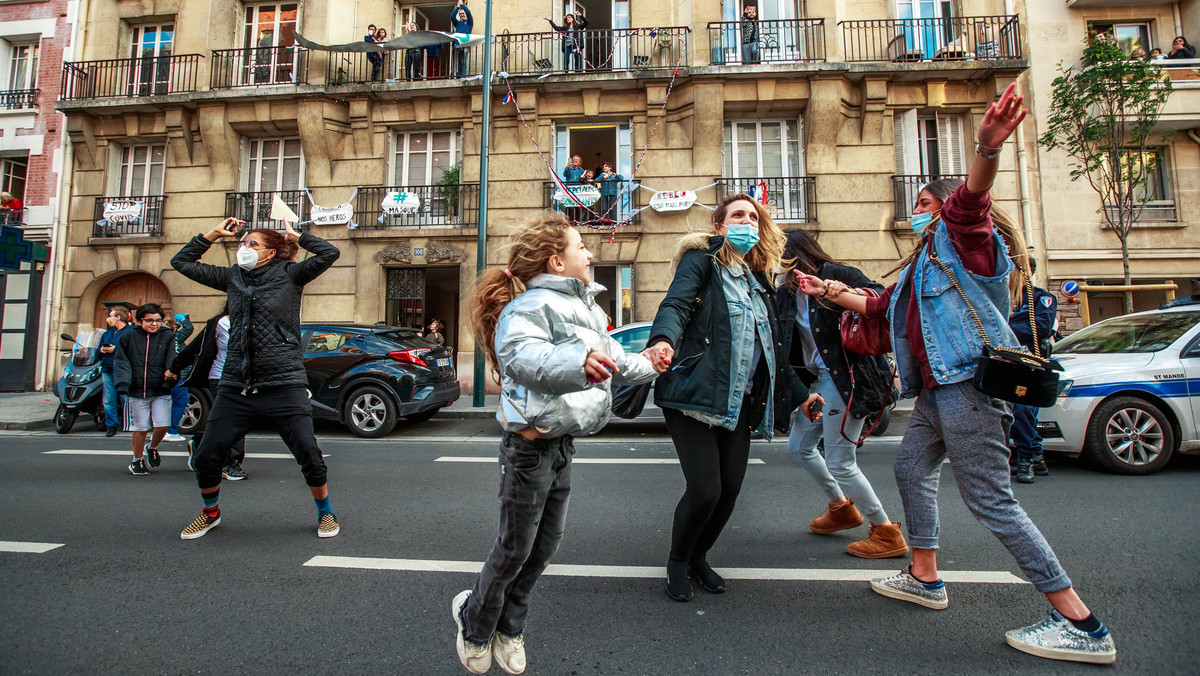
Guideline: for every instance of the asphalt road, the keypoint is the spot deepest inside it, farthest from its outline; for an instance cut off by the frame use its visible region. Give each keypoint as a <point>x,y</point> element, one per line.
<point>125,595</point>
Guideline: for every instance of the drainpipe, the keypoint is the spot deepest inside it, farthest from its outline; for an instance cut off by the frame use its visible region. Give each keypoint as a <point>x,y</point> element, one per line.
<point>1191,133</point>
<point>1023,179</point>
<point>1178,19</point>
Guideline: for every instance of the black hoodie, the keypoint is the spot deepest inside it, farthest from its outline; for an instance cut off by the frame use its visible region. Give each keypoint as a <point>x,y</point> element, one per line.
<point>142,360</point>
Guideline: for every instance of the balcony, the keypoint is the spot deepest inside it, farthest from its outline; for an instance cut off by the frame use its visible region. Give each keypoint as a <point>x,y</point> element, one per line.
<point>438,206</point>
<point>959,38</point>
<point>616,205</point>
<point>905,189</point>
<point>392,66</point>
<point>259,66</point>
<point>791,41</point>
<point>602,50</point>
<point>1182,111</point>
<point>119,216</point>
<point>790,198</point>
<point>130,77</point>
<point>255,207</point>
<point>18,99</point>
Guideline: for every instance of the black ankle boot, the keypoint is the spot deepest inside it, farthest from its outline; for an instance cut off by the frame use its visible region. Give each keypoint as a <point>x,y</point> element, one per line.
<point>706,576</point>
<point>678,585</point>
<point>1039,465</point>
<point>1024,473</point>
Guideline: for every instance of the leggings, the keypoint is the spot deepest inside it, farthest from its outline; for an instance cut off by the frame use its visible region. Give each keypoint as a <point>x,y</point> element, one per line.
<point>714,463</point>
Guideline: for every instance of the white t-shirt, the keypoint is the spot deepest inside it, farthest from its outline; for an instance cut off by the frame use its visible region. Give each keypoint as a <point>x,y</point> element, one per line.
<point>218,366</point>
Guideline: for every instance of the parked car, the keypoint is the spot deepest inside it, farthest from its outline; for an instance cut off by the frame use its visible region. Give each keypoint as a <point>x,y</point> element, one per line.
<point>1130,394</point>
<point>365,377</point>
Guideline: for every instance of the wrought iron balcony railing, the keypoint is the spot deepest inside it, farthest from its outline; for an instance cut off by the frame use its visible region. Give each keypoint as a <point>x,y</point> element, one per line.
<point>427,206</point>
<point>255,207</point>
<point>130,77</point>
<point>953,38</point>
<point>403,65</point>
<point>906,187</point>
<point>18,99</point>
<point>600,50</point>
<point>119,216</point>
<point>604,201</point>
<point>792,198</point>
<point>257,66</point>
<point>791,40</point>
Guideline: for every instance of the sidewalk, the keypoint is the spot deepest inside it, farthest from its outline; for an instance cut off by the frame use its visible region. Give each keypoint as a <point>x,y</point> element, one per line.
<point>35,411</point>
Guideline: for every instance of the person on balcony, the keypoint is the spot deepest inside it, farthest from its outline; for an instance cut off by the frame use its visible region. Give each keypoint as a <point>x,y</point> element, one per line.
<point>610,186</point>
<point>572,39</point>
<point>461,22</point>
<point>10,208</point>
<point>412,57</point>
<point>574,171</point>
<point>750,34</point>
<point>1181,49</point>
<point>376,58</point>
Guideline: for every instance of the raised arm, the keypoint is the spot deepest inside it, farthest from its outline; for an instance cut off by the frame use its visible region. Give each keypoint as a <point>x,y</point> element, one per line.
<point>323,256</point>
<point>998,124</point>
<point>187,261</point>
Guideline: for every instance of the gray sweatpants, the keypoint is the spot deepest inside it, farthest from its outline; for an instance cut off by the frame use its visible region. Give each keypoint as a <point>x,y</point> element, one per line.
<point>963,424</point>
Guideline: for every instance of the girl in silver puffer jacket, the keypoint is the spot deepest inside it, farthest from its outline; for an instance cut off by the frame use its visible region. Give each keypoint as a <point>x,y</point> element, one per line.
<point>546,337</point>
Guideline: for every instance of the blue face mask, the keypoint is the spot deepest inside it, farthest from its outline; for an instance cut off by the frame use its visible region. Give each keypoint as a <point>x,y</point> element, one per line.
<point>742,237</point>
<point>919,221</point>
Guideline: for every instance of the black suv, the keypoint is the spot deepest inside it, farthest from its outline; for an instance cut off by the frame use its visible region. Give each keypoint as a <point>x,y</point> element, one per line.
<point>366,377</point>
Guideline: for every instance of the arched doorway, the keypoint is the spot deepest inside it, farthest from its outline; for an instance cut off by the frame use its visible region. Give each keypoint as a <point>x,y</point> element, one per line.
<point>136,288</point>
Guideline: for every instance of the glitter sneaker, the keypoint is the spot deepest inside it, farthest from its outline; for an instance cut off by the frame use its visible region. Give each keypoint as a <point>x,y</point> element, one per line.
<point>199,527</point>
<point>908,588</point>
<point>1056,638</point>
<point>509,652</point>
<point>476,658</point>
<point>327,526</point>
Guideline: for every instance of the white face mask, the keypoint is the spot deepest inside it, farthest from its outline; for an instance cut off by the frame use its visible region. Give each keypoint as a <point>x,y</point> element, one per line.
<point>247,257</point>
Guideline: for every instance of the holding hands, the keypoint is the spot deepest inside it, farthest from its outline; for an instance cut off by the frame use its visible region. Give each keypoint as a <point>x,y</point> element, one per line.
<point>660,355</point>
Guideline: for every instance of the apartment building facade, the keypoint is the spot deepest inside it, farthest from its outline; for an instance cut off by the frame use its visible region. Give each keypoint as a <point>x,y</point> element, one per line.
<point>1165,242</point>
<point>181,112</point>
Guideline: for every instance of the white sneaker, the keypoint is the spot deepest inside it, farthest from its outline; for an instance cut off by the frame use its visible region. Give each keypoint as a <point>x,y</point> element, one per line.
<point>477,659</point>
<point>1057,639</point>
<point>174,437</point>
<point>509,652</point>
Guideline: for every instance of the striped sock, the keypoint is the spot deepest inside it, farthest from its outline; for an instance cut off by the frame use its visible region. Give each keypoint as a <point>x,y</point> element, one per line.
<point>323,507</point>
<point>211,510</point>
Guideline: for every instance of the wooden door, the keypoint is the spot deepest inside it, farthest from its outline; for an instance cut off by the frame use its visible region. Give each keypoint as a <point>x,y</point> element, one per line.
<point>136,289</point>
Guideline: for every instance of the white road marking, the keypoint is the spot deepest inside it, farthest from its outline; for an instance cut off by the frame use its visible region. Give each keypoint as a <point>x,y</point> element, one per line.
<point>27,547</point>
<point>588,461</point>
<point>577,570</point>
<point>168,454</point>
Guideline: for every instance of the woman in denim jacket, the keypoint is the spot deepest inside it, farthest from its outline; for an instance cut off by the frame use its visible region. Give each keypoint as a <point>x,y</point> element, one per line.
<point>725,375</point>
<point>936,346</point>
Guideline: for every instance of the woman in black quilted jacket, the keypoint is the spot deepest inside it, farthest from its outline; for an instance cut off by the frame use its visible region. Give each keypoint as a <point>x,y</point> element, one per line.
<point>264,377</point>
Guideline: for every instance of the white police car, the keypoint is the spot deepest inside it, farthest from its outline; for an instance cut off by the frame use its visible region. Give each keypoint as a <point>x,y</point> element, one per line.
<point>1130,394</point>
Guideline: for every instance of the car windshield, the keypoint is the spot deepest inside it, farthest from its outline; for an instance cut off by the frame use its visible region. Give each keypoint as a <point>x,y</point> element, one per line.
<point>409,339</point>
<point>1144,333</point>
<point>633,340</point>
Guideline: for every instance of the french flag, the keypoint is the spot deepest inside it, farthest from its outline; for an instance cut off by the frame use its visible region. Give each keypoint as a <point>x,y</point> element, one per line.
<point>507,98</point>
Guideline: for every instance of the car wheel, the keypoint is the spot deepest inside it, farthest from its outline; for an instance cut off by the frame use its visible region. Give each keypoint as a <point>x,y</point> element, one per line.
<point>369,412</point>
<point>1128,435</point>
<point>195,416</point>
<point>64,419</point>
<point>423,415</point>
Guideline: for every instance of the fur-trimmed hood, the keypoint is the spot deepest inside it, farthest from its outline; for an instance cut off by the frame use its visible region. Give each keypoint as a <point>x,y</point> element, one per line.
<point>701,241</point>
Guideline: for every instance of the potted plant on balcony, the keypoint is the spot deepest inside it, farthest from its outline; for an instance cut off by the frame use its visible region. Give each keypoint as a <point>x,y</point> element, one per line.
<point>448,187</point>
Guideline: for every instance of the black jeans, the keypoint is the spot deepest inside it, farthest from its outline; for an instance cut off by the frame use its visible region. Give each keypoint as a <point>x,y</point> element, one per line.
<point>535,487</point>
<point>412,64</point>
<point>1025,437</point>
<point>714,463</point>
<point>238,451</point>
<point>233,413</point>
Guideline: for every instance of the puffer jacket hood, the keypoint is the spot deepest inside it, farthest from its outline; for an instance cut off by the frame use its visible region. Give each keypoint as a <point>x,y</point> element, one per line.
<point>543,338</point>
<point>698,241</point>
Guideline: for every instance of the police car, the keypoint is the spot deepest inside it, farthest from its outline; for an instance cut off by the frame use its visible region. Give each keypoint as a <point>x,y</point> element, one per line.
<point>1130,394</point>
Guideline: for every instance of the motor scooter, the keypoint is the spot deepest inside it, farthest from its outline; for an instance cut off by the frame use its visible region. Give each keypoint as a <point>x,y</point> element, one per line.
<point>81,389</point>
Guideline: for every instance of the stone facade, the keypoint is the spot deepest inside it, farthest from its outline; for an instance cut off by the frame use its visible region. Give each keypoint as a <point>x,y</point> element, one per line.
<point>842,104</point>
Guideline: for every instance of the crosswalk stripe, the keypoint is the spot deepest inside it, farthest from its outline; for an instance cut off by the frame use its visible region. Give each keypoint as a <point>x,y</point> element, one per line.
<point>588,461</point>
<point>169,454</point>
<point>27,547</point>
<point>580,570</point>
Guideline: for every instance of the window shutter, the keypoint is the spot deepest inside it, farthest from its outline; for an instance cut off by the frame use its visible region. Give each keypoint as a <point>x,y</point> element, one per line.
<point>801,145</point>
<point>904,131</point>
<point>950,144</point>
<point>113,187</point>
<point>245,180</point>
<point>124,40</point>
<point>392,171</point>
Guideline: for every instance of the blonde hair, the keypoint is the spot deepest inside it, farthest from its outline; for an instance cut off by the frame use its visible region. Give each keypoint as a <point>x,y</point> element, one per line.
<point>531,247</point>
<point>766,256</point>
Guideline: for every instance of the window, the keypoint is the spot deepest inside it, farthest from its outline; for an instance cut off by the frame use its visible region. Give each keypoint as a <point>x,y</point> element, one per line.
<point>150,48</point>
<point>1156,187</point>
<point>421,157</point>
<point>326,341</point>
<point>23,66</point>
<point>273,165</point>
<point>617,298</point>
<point>767,156</point>
<point>141,171</point>
<point>12,176</point>
<point>406,297</point>
<point>1130,36</point>
<point>270,25</point>
<point>928,147</point>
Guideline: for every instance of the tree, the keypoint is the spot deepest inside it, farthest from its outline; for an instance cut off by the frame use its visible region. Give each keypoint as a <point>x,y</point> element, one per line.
<point>1102,114</point>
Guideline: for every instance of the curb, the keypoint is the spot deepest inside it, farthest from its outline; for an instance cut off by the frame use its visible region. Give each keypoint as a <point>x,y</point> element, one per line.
<point>27,426</point>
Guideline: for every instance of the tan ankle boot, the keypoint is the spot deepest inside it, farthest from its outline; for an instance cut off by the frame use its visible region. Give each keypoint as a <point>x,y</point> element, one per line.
<point>839,515</point>
<point>883,542</point>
